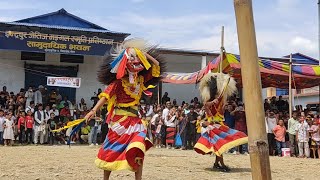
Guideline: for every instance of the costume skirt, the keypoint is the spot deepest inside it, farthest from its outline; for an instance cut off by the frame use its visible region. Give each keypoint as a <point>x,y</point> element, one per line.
<point>170,135</point>
<point>219,139</point>
<point>124,146</point>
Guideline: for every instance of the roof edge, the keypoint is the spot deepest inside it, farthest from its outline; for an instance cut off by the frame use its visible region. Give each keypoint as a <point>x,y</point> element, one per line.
<point>63,11</point>
<point>187,52</point>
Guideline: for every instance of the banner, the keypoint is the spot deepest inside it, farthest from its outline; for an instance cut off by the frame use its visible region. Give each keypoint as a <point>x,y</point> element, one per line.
<point>64,82</point>
<point>34,41</point>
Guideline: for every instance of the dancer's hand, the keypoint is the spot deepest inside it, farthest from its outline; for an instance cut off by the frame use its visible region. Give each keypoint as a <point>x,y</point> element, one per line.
<point>89,115</point>
<point>215,101</point>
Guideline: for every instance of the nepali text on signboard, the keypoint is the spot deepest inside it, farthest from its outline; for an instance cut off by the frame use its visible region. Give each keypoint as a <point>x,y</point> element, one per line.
<point>35,41</point>
<point>64,82</point>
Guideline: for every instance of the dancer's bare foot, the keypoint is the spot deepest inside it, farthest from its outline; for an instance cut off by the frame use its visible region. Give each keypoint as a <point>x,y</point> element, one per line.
<point>106,175</point>
<point>138,174</point>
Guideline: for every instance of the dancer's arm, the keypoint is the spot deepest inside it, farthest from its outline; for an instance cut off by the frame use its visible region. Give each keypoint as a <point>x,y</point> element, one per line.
<point>93,111</point>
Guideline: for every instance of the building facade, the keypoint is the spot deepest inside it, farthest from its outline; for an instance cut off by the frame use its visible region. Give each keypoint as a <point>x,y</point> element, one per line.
<point>28,56</point>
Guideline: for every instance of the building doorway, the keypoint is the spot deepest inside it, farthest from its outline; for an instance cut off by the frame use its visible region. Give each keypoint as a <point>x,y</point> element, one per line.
<point>36,75</point>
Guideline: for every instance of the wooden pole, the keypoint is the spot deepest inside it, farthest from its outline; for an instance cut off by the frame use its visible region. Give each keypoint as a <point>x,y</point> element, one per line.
<point>159,92</point>
<point>290,86</point>
<point>319,46</point>
<point>221,49</point>
<point>258,144</point>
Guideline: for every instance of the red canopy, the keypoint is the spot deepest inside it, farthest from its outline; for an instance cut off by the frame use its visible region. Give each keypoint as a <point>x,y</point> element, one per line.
<point>273,73</point>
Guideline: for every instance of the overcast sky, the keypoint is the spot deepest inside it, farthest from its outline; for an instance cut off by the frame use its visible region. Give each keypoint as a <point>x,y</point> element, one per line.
<point>282,26</point>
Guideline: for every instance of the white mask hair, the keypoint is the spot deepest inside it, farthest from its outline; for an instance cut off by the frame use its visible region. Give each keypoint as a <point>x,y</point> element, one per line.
<point>118,48</point>
<point>221,80</point>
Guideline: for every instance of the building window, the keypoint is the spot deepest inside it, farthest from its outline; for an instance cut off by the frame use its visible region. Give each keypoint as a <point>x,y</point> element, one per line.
<point>33,56</point>
<point>71,58</point>
<point>281,92</point>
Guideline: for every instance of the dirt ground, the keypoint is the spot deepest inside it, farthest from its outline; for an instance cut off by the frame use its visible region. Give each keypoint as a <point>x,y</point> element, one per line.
<point>77,162</point>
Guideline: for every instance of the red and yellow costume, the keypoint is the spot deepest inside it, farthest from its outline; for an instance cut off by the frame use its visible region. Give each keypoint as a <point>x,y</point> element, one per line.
<point>127,76</point>
<point>218,137</point>
<point>126,142</point>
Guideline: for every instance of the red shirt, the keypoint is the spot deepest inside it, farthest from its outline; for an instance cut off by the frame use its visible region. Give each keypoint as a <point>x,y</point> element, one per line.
<point>64,112</point>
<point>280,133</point>
<point>240,121</point>
<point>21,121</point>
<point>29,120</point>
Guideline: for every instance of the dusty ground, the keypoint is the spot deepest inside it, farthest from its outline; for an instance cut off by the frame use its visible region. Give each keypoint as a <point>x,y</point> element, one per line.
<point>77,162</point>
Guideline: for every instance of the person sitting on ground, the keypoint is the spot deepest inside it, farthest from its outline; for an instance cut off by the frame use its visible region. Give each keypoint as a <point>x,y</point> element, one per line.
<point>85,130</point>
<point>60,135</point>
<point>54,110</point>
<point>65,112</point>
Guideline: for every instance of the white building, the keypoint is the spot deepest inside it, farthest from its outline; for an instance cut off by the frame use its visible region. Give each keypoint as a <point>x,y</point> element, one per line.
<point>22,66</point>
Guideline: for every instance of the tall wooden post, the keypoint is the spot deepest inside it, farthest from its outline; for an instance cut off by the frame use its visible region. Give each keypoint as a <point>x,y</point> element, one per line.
<point>258,144</point>
<point>319,46</point>
<point>290,86</point>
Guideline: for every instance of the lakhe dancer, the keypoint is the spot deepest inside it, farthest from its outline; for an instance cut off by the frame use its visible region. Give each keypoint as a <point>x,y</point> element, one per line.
<point>215,88</point>
<point>130,72</point>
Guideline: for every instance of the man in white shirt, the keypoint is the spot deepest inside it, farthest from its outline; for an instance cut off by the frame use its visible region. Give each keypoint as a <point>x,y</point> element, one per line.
<point>47,114</point>
<point>271,122</point>
<point>54,110</point>
<point>165,112</point>
<point>302,135</point>
<point>149,112</point>
<point>292,124</point>
<point>73,108</point>
<point>39,124</point>
<point>30,107</point>
<point>38,95</point>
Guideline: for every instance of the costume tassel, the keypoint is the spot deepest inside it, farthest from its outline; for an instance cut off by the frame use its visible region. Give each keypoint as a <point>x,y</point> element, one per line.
<point>117,60</point>
<point>122,67</point>
<point>74,130</point>
<point>143,58</point>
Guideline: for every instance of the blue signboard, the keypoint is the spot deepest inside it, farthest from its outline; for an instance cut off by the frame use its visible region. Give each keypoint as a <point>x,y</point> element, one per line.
<point>34,41</point>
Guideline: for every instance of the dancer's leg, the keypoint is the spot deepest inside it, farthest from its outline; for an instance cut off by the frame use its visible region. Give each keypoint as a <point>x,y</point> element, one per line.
<point>223,167</point>
<point>138,174</point>
<point>106,175</point>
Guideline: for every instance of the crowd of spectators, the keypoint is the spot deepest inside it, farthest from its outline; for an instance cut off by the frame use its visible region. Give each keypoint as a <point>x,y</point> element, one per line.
<point>300,132</point>
<point>29,116</point>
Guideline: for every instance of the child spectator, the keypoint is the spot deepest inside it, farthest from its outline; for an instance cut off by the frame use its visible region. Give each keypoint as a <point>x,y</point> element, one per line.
<point>22,127</point>
<point>158,133</point>
<point>198,127</point>
<point>60,135</point>
<point>315,131</point>
<point>29,124</point>
<point>2,120</point>
<point>280,133</point>
<point>52,126</point>
<point>302,135</point>
<point>8,134</point>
